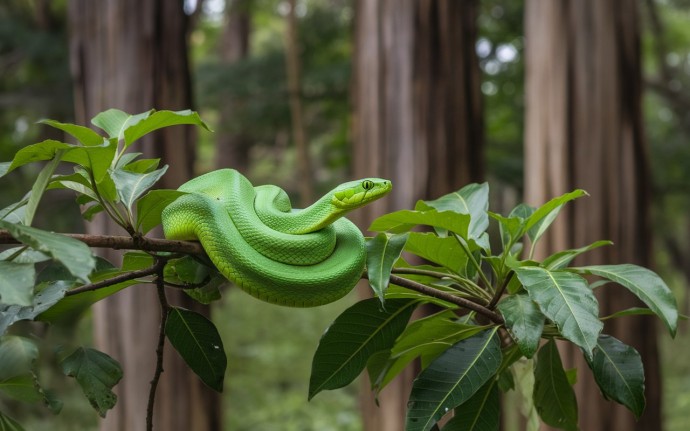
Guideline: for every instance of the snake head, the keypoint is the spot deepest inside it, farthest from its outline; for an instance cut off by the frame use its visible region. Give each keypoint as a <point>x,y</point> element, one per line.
<point>355,194</point>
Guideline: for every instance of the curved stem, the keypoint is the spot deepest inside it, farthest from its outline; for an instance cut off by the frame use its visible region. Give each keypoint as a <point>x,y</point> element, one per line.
<point>473,261</point>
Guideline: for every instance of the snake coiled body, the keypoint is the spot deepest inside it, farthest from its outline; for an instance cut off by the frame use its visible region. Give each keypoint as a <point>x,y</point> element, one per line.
<point>299,258</point>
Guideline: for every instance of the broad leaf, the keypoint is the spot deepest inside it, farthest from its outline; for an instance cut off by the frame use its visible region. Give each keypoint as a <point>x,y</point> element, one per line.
<point>196,339</point>
<point>353,337</point>
<point>159,119</point>
<point>97,159</point>
<point>473,200</point>
<point>479,413</point>
<point>97,374</point>
<point>404,220</point>
<point>382,252</point>
<point>17,355</point>
<point>142,166</point>
<point>567,300</point>
<point>41,151</point>
<point>16,283</point>
<point>554,398</point>
<point>442,251</point>
<point>643,283</point>
<point>73,254</point>
<point>150,207</point>
<point>42,301</point>
<point>618,371</point>
<point>428,338</point>
<point>83,134</point>
<point>452,379</point>
<point>524,320</point>
<point>561,259</point>
<point>115,122</point>
<point>130,185</point>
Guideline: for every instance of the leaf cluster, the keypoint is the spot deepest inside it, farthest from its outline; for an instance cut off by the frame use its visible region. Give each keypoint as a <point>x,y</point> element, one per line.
<point>493,312</point>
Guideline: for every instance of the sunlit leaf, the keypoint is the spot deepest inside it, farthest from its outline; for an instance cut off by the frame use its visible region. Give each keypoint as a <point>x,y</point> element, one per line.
<point>130,186</point>
<point>159,119</point>
<point>115,122</point>
<point>561,259</point>
<point>473,200</point>
<point>442,251</point>
<point>83,134</point>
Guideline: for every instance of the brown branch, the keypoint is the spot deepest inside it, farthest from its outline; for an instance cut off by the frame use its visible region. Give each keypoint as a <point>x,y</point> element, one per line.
<point>124,243</point>
<point>165,311</point>
<point>115,280</point>
<point>445,296</point>
<point>500,291</point>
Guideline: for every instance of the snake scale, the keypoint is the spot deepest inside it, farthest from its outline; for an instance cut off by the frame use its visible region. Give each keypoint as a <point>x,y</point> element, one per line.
<point>298,258</point>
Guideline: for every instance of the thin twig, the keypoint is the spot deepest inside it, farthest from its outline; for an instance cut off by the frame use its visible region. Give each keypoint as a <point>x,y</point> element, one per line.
<point>500,291</point>
<point>165,310</point>
<point>445,296</point>
<point>118,242</point>
<point>139,273</point>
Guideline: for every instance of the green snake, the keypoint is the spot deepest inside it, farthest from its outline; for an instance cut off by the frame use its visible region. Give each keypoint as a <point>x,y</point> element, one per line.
<point>298,258</point>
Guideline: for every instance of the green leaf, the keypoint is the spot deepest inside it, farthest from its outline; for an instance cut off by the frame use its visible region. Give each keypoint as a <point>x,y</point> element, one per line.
<point>355,335</point>
<point>479,413</point>
<point>17,355</point>
<point>76,182</point>
<point>618,371</point>
<point>452,379</point>
<point>382,252</point>
<point>632,311</point>
<point>197,341</point>
<point>160,119</point>
<point>567,300</point>
<point>142,166</point>
<point>97,374</point>
<point>442,251</point>
<point>115,122</point>
<point>643,283</point>
<point>14,213</point>
<point>563,258</point>
<point>83,134</point>
<point>22,388</point>
<point>150,207</point>
<point>9,424</point>
<point>542,217</point>
<point>554,398</point>
<point>42,301</point>
<point>428,338</point>
<point>510,228</point>
<point>74,254</point>
<point>209,292</point>
<point>189,270</point>
<point>524,320</point>
<point>4,168</point>
<point>44,150</point>
<point>97,159</point>
<point>473,200</point>
<point>130,185</point>
<point>404,220</point>
<point>16,283</point>
<point>134,260</point>
<point>39,188</point>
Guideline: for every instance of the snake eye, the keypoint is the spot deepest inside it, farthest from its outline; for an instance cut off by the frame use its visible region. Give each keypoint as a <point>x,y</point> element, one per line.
<point>367,184</point>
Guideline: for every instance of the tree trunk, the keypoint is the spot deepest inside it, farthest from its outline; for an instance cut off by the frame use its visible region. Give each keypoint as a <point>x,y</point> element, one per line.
<point>584,130</point>
<point>232,145</point>
<point>132,55</point>
<point>417,122</point>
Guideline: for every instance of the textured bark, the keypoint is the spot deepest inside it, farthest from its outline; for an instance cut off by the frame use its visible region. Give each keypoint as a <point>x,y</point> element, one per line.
<point>584,130</point>
<point>132,55</point>
<point>417,122</point>
<point>232,145</point>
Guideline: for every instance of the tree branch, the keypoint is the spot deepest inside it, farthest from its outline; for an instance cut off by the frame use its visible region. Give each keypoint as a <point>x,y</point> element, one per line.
<point>160,350</point>
<point>115,280</point>
<point>116,242</point>
<point>445,296</point>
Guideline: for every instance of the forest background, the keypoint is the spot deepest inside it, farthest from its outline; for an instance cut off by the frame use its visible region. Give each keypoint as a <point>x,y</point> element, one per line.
<point>242,57</point>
